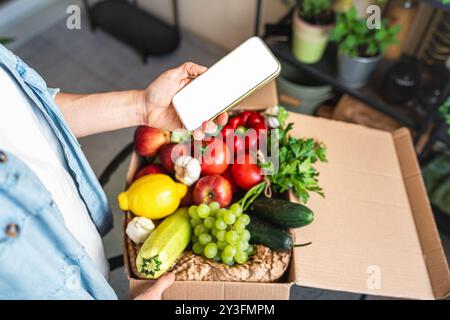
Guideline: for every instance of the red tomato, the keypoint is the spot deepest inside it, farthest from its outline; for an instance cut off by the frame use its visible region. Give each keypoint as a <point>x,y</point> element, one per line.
<point>254,119</point>
<point>235,122</point>
<point>260,128</point>
<point>246,174</point>
<point>244,116</point>
<point>149,169</point>
<point>237,144</point>
<point>241,144</point>
<point>227,175</point>
<point>251,141</point>
<point>227,130</point>
<point>215,158</point>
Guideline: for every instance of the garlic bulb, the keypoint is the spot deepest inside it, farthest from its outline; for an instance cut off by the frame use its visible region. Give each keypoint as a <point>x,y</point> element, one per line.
<point>272,111</point>
<point>139,229</point>
<point>273,122</point>
<point>187,170</point>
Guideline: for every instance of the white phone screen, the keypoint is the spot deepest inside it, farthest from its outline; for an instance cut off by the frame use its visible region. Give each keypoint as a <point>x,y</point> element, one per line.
<point>224,84</point>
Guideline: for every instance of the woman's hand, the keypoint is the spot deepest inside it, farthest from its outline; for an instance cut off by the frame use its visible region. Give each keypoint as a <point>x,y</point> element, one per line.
<point>158,109</point>
<point>89,114</point>
<point>155,291</point>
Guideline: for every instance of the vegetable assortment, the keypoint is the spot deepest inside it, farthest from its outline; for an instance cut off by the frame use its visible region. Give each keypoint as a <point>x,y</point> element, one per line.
<point>212,223</point>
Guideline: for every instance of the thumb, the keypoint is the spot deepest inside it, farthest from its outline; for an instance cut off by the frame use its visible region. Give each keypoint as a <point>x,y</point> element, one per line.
<point>190,69</point>
<point>155,292</point>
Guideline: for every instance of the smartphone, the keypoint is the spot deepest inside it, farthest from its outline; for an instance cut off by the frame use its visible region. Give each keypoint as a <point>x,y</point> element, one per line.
<point>248,67</point>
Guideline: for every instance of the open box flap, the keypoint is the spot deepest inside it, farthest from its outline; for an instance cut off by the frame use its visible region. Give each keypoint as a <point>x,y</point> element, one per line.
<point>432,251</point>
<point>374,232</point>
<point>263,98</point>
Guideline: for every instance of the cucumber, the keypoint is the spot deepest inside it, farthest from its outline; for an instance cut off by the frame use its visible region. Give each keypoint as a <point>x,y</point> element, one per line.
<point>269,235</point>
<point>281,212</point>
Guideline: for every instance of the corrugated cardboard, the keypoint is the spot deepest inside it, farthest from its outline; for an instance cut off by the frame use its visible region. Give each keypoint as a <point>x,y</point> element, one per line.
<point>374,232</point>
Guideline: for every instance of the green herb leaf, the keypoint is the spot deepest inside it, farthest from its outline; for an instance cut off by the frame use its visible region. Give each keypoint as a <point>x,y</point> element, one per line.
<point>356,39</point>
<point>296,159</point>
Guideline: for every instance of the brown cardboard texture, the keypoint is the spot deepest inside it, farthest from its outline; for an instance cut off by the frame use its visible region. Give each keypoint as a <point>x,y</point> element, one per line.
<point>373,233</point>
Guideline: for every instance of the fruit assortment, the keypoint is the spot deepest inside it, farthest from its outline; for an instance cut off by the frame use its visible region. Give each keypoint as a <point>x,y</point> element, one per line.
<point>192,190</point>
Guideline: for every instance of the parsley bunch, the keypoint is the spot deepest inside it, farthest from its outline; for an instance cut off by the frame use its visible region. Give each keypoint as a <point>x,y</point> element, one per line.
<point>296,159</point>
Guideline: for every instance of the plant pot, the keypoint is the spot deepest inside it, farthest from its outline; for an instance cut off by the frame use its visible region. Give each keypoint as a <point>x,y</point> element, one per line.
<point>308,41</point>
<point>300,93</point>
<point>342,5</point>
<point>355,71</point>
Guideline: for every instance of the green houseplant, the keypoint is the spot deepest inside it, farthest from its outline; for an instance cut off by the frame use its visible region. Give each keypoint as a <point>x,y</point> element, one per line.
<point>360,48</point>
<point>445,112</point>
<point>4,40</point>
<point>311,26</point>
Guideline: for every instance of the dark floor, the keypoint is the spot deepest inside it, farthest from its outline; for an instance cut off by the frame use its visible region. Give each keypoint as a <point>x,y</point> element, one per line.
<point>82,62</point>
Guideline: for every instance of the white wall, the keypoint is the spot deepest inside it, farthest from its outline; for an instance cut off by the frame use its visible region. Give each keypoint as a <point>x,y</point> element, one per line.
<point>223,22</point>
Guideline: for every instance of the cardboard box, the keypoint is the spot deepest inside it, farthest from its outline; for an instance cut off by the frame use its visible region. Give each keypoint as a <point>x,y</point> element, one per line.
<point>374,232</point>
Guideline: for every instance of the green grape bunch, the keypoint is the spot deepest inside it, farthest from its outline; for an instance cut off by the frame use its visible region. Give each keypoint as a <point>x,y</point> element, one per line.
<point>220,234</point>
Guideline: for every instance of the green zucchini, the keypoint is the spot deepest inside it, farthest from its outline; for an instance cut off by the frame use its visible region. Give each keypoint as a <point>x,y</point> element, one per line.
<point>282,213</point>
<point>269,235</point>
<point>165,244</point>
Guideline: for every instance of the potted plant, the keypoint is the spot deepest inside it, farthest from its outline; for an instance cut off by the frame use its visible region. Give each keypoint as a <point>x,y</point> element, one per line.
<point>311,26</point>
<point>360,48</point>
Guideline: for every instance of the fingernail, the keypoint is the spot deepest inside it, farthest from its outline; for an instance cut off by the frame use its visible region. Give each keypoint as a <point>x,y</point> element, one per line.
<point>198,135</point>
<point>222,119</point>
<point>210,127</point>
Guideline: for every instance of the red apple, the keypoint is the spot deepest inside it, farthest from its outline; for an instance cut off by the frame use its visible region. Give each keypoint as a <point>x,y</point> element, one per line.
<point>148,140</point>
<point>212,188</point>
<point>170,152</point>
<point>149,169</point>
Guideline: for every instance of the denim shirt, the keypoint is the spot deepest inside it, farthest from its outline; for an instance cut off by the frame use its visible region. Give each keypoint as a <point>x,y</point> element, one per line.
<point>39,257</point>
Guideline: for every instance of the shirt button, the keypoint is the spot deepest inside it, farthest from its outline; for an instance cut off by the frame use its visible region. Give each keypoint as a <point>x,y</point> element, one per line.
<point>12,230</point>
<point>3,157</point>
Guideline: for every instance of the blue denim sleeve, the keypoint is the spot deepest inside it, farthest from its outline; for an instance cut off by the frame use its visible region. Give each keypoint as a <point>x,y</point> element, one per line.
<point>53,92</point>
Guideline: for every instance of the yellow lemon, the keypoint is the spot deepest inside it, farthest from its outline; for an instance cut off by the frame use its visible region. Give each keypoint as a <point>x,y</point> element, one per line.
<point>153,196</point>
